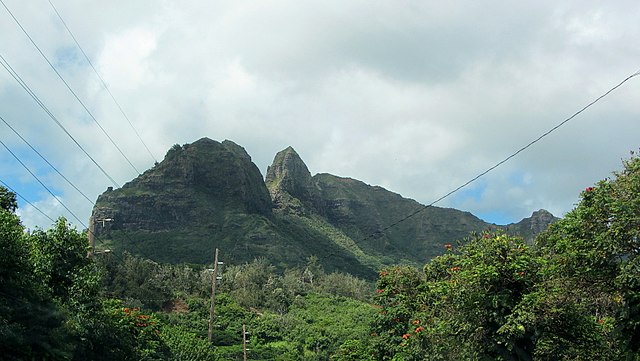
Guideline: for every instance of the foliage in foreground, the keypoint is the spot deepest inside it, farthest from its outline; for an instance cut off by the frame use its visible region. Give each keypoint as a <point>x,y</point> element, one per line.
<point>573,295</point>
<point>56,303</point>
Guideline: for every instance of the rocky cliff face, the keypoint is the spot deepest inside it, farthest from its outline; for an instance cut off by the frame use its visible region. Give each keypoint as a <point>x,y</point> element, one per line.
<point>528,228</point>
<point>376,218</point>
<point>290,184</point>
<point>193,182</point>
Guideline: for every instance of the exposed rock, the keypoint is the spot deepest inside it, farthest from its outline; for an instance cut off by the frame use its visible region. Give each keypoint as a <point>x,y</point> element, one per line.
<point>529,227</point>
<point>290,183</point>
<point>192,182</point>
<point>540,221</point>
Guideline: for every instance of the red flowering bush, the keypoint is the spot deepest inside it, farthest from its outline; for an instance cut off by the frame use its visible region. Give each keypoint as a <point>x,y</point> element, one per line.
<point>144,328</point>
<point>397,293</point>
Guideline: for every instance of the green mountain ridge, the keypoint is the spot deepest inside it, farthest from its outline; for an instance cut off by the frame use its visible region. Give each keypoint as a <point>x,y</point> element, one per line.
<point>208,194</point>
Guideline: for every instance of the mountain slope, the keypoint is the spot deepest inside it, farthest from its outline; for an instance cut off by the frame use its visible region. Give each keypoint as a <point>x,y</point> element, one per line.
<point>208,195</point>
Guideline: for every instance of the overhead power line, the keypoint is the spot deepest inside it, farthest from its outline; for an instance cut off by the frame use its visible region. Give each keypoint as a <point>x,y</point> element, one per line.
<point>512,155</point>
<point>104,84</point>
<point>46,161</point>
<point>40,210</point>
<point>48,190</point>
<point>26,200</point>
<point>423,208</point>
<point>42,184</point>
<point>33,95</point>
<point>69,87</point>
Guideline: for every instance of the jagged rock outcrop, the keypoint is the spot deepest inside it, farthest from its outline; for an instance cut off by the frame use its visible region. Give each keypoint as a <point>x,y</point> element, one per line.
<point>290,183</point>
<point>539,221</point>
<point>529,227</point>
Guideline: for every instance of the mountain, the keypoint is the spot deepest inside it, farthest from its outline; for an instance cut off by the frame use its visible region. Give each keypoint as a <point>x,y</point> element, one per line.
<point>290,184</point>
<point>208,195</point>
<point>528,228</point>
<point>202,196</point>
<point>191,185</point>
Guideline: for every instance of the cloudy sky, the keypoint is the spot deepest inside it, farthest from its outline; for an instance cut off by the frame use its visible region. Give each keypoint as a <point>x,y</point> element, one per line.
<point>414,96</point>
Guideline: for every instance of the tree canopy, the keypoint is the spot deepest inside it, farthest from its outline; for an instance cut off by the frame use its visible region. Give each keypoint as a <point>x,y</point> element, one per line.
<point>572,295</point>
<point>8,200</point>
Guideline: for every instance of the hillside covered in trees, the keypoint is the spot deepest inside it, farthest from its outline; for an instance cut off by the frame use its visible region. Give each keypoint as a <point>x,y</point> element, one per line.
<point>573,294</point>
<point>210,194</point>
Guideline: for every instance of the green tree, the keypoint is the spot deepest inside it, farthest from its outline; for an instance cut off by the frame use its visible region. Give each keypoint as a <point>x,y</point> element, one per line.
<point>185,345</point>
<point>574,295</point>
<point>397,297</point>
<point>139,281</point>
<point>352,350</point>
<point>8,200</point>
<point>59,259</point>
<point>31,326</point>
<point>51,306</point>
<point>323,323</point>
<point>594,252</point>
<point>473,290</point>
<point>250,284</point>
<point>346,285</point>
<point>486,300</point>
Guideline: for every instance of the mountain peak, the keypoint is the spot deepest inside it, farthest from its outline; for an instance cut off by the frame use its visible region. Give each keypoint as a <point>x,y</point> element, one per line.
<point>540,220</point>
<point>236,149</point>
<point>289,181</point>
<point>542,213</point>
<point>529,227</point>
<point>204,140</point>
<point>287,166</point>
<point>203,177</point>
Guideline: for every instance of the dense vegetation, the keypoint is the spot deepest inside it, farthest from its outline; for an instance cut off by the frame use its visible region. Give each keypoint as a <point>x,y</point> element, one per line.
<point>56,303</point>
<point>574,294</point>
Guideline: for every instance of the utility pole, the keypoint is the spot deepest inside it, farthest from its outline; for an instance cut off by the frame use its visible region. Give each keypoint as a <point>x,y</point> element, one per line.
<point>92,236</point>
<point>212,312</point>
<point>244,342</point>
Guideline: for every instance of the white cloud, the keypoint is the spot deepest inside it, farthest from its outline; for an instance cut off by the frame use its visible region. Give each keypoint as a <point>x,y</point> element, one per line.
<point>124,58</point>
<point>416,96</point>
<point>33,217</point>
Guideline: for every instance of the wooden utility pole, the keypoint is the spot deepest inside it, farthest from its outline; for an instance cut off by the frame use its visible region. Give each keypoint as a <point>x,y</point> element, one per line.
<point>92,236</point>
<point>244,342</point>
<point>212,313</point>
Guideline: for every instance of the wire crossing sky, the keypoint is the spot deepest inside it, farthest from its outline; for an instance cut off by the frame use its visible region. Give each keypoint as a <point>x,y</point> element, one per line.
<point>55,70</point>
<point>104,84</point>
<point>509,157</point>
<point>46,161</point>
<point>33,95</point>
<point>26,201</point>
<point>417,97</point>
